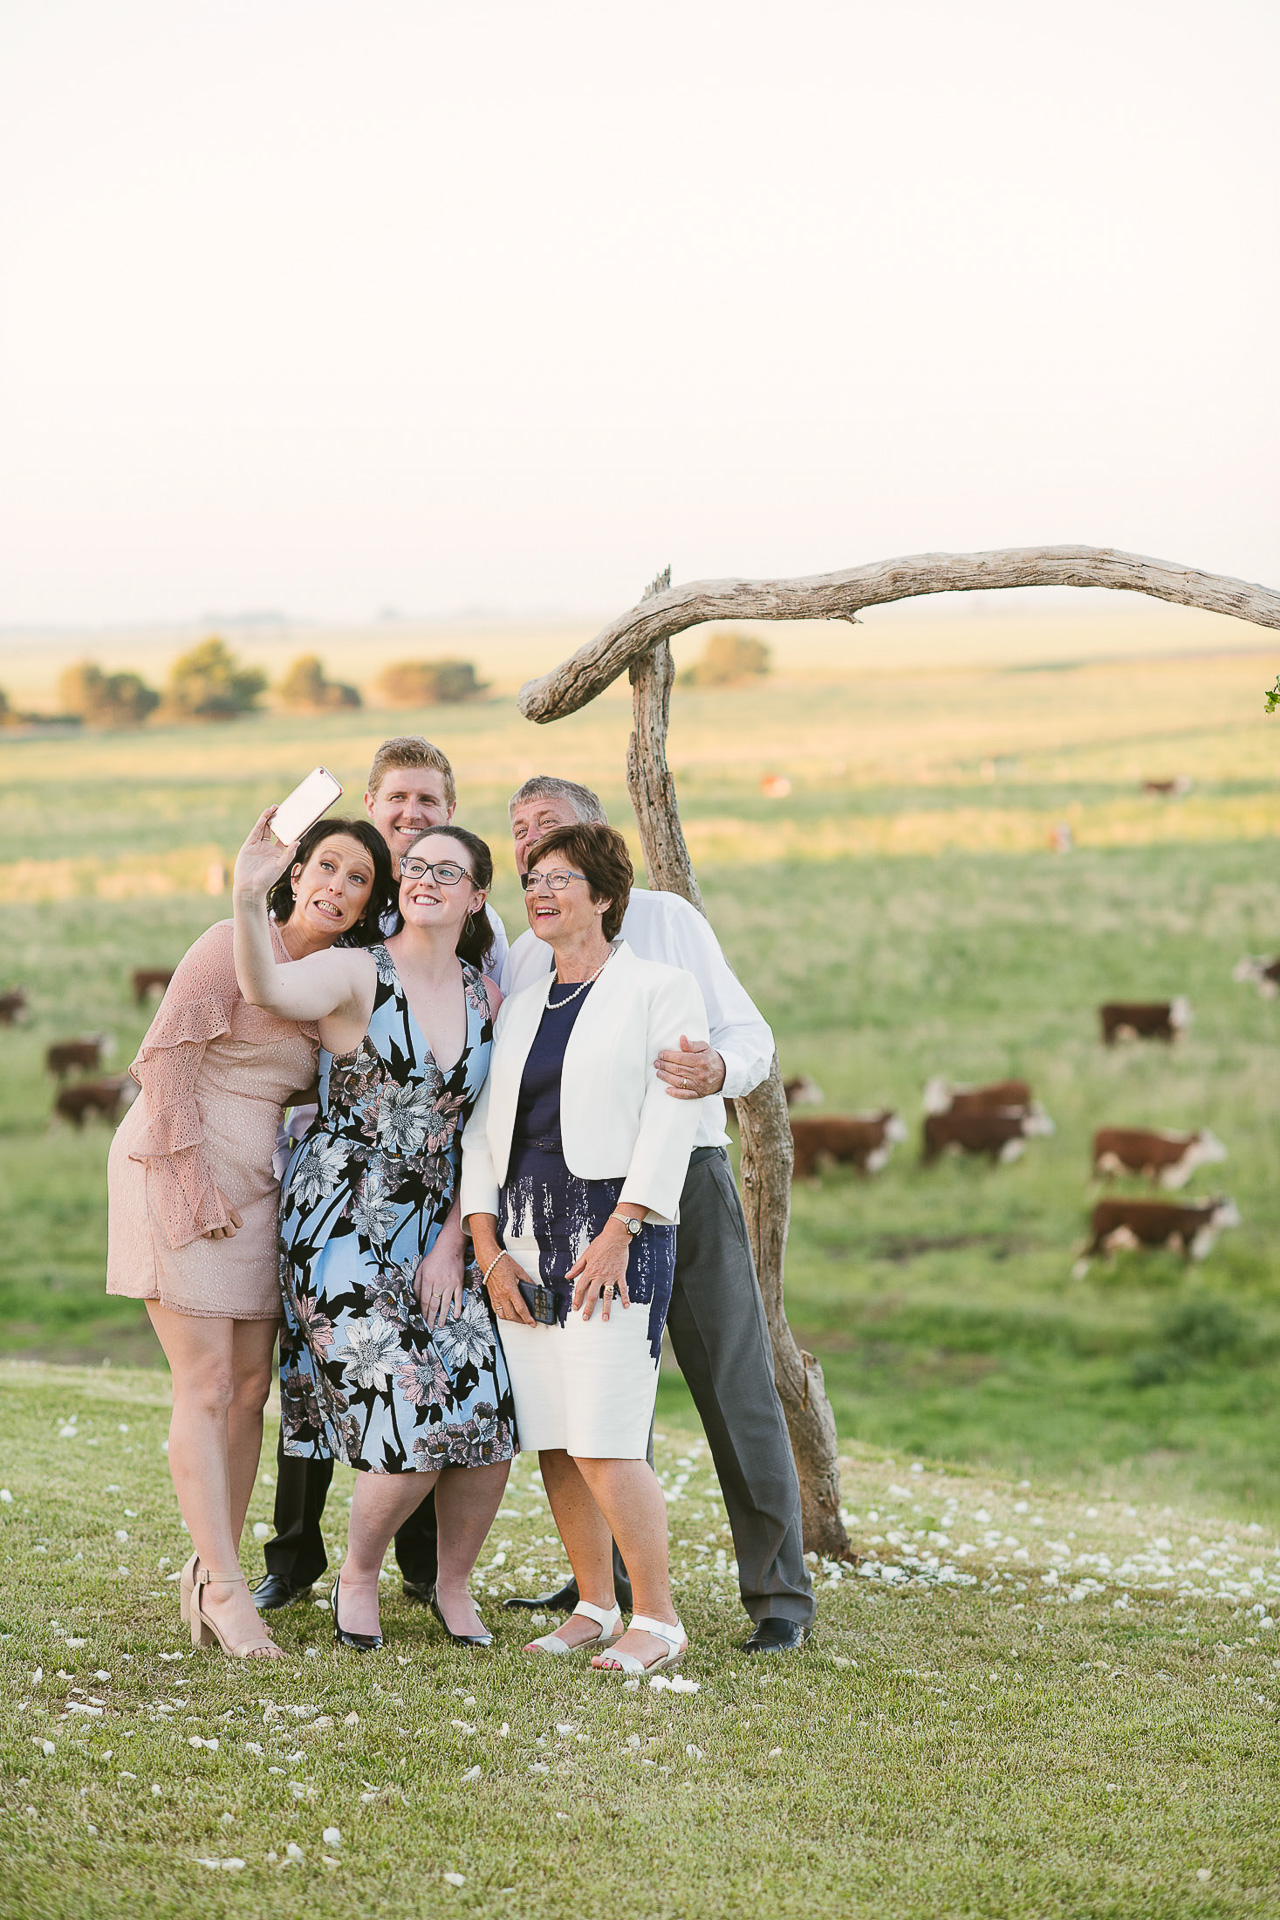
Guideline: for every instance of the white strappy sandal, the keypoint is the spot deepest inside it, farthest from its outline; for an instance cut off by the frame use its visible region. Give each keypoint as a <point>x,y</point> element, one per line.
<point>608,1619</point>
<point>676,1638</point>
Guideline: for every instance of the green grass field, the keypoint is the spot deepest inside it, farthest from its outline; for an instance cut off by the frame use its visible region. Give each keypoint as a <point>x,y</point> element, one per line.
<point>898,914</point>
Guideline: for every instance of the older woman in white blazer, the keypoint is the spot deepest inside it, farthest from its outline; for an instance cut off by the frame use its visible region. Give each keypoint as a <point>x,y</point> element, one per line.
<point>572,1166</point>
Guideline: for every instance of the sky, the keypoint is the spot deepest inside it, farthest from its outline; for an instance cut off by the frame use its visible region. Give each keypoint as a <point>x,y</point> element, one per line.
<point>336,305</point>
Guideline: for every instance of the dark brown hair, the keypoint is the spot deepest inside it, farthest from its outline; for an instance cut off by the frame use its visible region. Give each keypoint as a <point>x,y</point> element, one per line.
<point>600,853</point>
<point>476,937</point>
<point>367,930</point>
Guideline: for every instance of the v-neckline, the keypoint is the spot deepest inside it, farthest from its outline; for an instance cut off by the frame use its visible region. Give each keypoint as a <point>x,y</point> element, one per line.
<point>428,1051</point>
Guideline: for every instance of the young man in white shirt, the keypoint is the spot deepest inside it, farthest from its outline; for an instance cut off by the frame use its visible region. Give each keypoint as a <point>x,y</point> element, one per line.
<point>411,787</point>
<point>716,1320</point>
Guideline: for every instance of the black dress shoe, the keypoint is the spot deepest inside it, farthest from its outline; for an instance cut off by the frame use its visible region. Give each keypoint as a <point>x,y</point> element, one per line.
<point>775,1635</point>
<point>458,1639</point>
<point>566,1598</point>
<point>358,1642</point>
<point>274,1591</point>
<point>419,1591</point>
<point>563,1600</point>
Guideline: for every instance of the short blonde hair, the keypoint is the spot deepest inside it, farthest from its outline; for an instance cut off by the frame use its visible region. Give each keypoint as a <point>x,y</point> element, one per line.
<point>411,750</point>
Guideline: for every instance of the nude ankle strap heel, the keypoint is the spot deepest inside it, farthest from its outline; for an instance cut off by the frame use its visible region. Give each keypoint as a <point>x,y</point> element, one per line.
<point>207,1633</point>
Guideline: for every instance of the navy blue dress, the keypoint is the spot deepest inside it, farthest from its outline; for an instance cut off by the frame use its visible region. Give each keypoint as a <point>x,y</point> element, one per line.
<point>542,1201</point>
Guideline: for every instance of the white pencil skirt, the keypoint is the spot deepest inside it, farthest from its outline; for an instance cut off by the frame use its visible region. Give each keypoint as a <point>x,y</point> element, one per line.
<point>588,1386</point>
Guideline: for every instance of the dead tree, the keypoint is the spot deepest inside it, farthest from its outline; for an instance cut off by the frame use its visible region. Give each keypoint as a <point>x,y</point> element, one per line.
<point>638,644</point>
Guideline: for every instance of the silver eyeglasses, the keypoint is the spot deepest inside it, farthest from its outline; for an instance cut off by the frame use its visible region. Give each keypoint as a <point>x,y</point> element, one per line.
<point>557,881</point>
<point>446,873</point>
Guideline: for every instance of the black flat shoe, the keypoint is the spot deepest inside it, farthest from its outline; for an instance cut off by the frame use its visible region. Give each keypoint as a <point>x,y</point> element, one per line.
<point>358,1642</point>
<point>459,1639</point>
<point>775,1635</point>
<point>419,1591</point>
<point>274,1591</point>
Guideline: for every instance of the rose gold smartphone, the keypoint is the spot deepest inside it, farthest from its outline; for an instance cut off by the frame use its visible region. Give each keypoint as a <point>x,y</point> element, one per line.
<point>308,802</point>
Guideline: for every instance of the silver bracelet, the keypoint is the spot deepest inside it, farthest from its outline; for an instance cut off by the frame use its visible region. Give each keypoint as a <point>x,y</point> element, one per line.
<point>501,1255</point>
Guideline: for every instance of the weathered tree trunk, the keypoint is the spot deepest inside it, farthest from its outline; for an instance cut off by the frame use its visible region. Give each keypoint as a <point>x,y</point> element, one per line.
<point>762,1115</point>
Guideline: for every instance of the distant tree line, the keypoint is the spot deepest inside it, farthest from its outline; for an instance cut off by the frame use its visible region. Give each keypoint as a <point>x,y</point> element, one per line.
<point>209,683</point>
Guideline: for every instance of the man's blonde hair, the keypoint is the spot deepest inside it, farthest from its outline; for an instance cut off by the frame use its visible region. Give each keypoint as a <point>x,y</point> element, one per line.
<point>411,750</point>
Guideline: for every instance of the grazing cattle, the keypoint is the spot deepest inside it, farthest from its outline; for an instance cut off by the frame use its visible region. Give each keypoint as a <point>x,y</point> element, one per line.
<point>1187,1227</point>
<point>110,1098</point>
<point>941,1097</point>
<point>861,1140</point>
<point>147,979</point>
<point>1169,789</point>
<point>1144,1019</point>
<point>12,1004</point>
<point>1169,1159</point>
<point>1263,969</point>
<point>1001,1136</point>
<point>800,1092</point>
<point>68,1056</point>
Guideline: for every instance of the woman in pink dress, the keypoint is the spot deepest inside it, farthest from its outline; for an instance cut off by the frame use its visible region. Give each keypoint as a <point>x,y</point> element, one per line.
<point>193,1203</point>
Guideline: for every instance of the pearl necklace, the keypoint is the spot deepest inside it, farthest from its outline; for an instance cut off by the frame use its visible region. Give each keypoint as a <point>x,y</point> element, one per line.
<point>554,1006</point>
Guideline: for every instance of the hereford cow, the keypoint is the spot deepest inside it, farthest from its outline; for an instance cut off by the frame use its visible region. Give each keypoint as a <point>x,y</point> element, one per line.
<point>110,1098</point>
<point>1187,1227</point>
<point>69,1056</point>
<point>1263,969</point>
<point>800,1092</point>
<point>12,1006</point>
<point>1144,1019</point>
<point>147,979</point>
<point>861,1140</point>
<point>1001,1136</point>
<point>1169,1159</point>
<point>1000,1095</point>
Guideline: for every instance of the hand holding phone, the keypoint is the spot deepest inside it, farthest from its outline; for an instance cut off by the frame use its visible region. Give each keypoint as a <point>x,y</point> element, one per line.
<point>310,800</point>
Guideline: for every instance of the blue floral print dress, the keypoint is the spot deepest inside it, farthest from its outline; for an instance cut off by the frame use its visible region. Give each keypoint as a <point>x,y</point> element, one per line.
<point>362,1377</point>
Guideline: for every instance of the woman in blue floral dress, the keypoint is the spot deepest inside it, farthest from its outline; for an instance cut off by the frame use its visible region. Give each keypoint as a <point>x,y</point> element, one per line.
<point>389,1358</point>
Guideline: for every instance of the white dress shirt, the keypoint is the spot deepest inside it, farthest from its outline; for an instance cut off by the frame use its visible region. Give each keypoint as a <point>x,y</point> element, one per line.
<point>662,926</point>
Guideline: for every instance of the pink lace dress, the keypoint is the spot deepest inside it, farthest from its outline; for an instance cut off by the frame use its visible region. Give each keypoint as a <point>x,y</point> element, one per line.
<point>215,1075</point>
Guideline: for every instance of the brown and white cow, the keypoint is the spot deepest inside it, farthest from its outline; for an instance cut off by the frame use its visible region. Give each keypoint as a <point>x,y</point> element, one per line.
<point>861,1140</point>
<point>940,1096</point>
<point>12,1006</point>
<point>1263,970</point>
<point>1144,1019</point>
<point>799,1092</point>
<point>1156,1154</point>
<point>1002,1136</point>
<point>147,979</point>
<point>1187,1227</point>
<point>110,1098</point>
<point>69,1056</point>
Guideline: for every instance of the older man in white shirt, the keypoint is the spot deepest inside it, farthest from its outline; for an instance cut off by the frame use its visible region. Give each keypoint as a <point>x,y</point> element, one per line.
<point>716,1320</point>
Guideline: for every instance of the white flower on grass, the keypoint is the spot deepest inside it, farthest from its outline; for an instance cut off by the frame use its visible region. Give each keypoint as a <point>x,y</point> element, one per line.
<point>371,1352</point>
<point>318,1170</point>
<point>694,1753</point>
<point>332,1836</point>
<point>46,1747</point>
<point>352,1720</point>
<point>472,1773</point>
<point>6,1496</point>
<point>468,1337</point>
<point>293,1851</point>
<point>456,1879</point>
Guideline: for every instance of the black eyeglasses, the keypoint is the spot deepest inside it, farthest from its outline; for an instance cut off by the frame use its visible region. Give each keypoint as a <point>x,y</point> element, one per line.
<point>446,872</point>
<point>556,881</point>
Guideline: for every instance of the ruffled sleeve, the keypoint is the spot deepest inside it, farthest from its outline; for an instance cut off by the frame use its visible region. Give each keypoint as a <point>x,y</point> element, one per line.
<point>196,1009</point>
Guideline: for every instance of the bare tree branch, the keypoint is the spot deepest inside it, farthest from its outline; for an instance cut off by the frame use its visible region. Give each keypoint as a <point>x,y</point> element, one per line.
<point>838,596</point>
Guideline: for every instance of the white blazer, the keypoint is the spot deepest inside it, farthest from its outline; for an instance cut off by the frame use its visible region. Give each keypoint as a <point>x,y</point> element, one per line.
<point>617,1120</point>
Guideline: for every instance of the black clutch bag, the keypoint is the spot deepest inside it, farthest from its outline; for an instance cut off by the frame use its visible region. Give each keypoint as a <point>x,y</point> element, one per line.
<point>541,1302</point>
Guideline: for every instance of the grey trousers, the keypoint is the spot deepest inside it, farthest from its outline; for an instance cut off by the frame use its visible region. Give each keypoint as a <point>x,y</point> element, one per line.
<point>721,1340</point>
